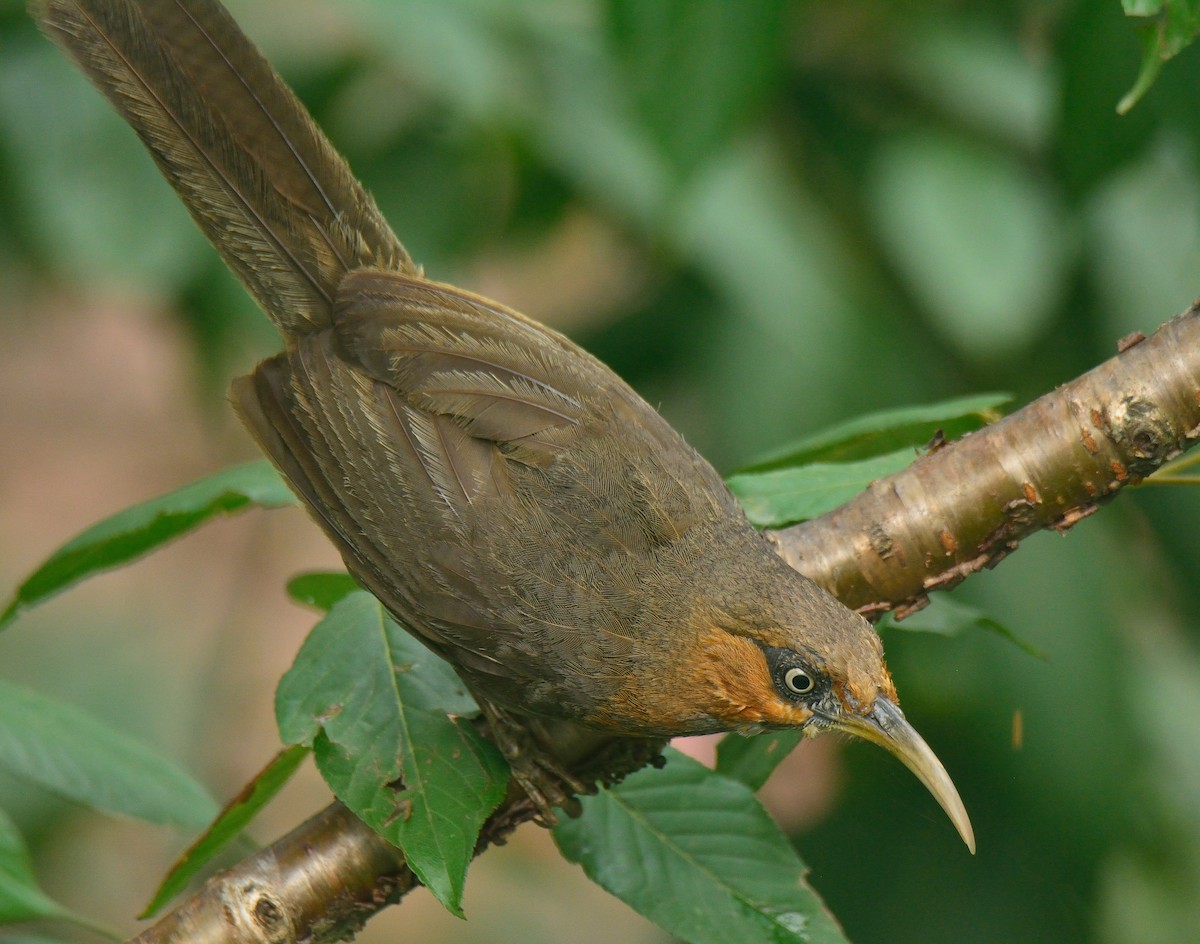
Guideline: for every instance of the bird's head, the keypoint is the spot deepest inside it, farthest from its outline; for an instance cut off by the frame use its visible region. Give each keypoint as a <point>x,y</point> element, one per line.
<point>802,660</point>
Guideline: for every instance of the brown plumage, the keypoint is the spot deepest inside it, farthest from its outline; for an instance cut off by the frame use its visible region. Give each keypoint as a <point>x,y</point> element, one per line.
<point>503,493</point>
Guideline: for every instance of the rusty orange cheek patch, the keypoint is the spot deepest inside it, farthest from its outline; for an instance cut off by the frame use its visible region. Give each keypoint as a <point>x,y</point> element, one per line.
<point>739,684</point>
<point>721,683</point>
<point>782,713</point>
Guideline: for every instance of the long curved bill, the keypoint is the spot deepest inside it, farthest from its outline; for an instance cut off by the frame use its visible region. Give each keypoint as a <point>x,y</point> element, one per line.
<point>887,727</point>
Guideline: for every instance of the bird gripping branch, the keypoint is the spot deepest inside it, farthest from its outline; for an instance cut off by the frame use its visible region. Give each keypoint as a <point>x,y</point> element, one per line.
<point>504,494</point>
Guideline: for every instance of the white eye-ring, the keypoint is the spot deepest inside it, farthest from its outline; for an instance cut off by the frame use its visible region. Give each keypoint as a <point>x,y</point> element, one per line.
<point>798,681</point>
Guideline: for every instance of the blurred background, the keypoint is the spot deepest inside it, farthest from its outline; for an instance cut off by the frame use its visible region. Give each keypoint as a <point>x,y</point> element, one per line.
<point>768,216</point>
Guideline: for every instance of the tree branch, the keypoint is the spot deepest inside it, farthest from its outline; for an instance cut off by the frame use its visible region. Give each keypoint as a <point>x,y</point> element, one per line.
<point>967,505</point>
<point>962,507</point>
<point>320,882</point>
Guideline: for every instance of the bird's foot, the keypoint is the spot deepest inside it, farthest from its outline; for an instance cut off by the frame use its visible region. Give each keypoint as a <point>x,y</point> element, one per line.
<point>542,777</point>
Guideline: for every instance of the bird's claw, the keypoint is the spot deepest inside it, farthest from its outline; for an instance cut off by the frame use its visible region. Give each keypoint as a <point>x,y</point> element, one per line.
<point>548,785</point>
<point>544,780</point>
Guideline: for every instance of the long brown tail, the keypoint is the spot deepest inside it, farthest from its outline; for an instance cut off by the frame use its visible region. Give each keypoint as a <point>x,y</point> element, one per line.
<point>257,175</point>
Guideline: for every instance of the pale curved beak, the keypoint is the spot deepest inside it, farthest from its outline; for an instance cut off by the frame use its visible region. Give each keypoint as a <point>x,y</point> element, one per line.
<point>886,726</point>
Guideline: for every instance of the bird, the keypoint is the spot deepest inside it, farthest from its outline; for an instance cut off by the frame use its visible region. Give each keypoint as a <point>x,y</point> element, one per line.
<point>506,496</point>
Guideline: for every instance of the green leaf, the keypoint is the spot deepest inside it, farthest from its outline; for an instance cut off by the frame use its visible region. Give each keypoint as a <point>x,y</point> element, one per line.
<point>785,496</point>
<point>374,703</point>
<point>135,531</point>
<point>321,590</point>
<point>75,755</point>
<point>228,825</point>
<point>874,434</point>
<point>1172,26</point>
<point>20,897</point>
<point>710,869</point>
<point>1152,63</point>
<point>696,70</point>
<point>751,760</point>
<point>946,616</point>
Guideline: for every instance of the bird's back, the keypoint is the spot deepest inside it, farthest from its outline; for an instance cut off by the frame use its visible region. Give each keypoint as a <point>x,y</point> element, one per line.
<point>505,494</point>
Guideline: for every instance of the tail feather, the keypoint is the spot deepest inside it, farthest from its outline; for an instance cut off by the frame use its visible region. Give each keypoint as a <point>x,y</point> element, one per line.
<point>258,176</point>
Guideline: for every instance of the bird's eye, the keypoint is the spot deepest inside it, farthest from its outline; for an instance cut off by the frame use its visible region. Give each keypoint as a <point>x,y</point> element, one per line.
<point>798,681</point>
<point>796,676</point>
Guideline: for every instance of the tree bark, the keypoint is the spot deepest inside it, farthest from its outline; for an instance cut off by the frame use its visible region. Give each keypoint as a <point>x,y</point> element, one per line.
<point>967,505</point>
<point>320,882</point>
<point>959,508</point>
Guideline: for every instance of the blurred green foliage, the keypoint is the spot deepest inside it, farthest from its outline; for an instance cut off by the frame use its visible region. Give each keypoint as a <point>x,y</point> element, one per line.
<point>806,211</point>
